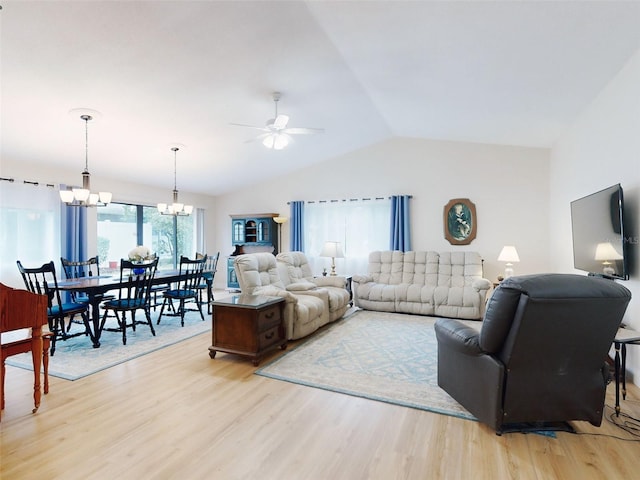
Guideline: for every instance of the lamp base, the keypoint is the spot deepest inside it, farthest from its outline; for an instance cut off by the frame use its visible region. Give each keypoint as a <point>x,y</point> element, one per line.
<point>333,267</point>
<point>508,271</point>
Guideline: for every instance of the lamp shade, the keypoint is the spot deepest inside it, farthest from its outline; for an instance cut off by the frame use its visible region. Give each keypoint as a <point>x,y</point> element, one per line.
<point>508,254</point>
<point>605,251</point>
<point>280,219</point>
<point>332,249</point>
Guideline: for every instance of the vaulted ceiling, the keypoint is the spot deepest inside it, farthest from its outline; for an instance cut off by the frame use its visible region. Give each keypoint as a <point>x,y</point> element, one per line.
<point>179,72</point>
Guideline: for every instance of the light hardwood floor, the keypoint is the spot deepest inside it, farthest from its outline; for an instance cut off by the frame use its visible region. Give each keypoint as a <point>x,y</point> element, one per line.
<point>176,413</point>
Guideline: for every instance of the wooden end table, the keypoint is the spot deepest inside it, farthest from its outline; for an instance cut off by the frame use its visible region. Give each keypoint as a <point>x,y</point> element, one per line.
<point>248,325</point>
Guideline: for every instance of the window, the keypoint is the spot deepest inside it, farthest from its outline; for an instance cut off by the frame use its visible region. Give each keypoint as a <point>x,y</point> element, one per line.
<point>122,226</point>
<point>361,226</point>
<point>29,228</point>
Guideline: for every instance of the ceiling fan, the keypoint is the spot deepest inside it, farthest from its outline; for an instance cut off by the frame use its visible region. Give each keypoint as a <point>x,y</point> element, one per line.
<point>276,133</point>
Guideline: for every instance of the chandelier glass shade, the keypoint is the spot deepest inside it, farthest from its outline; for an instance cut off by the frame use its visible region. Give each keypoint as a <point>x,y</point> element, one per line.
<point>175,208</point>
<point>82,197</point>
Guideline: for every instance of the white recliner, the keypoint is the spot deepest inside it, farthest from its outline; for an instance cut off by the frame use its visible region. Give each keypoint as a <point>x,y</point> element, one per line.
<point>295,272</point>
<point>304,312</point>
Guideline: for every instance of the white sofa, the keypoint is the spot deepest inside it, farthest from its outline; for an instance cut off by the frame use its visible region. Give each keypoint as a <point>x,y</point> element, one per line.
<point>446,284</point>
<point>306,305</point>
<point>296,273</point>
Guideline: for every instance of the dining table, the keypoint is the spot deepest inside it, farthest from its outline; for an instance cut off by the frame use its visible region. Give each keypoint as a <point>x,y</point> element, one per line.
<point>96,286</point>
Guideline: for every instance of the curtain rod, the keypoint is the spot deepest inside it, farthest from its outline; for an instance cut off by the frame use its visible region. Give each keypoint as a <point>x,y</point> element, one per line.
<point>347,200</point>
<point>28,182</point>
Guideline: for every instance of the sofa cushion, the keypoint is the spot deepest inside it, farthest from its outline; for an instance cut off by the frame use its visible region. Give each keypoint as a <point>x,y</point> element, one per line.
<point>386,267</point>
<point>420,268</point>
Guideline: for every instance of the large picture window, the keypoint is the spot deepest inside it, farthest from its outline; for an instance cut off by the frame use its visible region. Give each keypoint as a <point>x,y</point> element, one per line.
<point>361,226</point>
<point>121,227</point>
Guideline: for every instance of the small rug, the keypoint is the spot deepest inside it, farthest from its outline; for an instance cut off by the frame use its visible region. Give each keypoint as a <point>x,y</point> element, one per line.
<point>387,357</point>
<point>76,358</point>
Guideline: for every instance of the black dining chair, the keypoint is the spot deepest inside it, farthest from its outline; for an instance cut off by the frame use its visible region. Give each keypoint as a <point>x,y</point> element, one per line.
<point>43,281</point>
<point>74,270</point>
<point>135,294</point>
<point>208,274</point>
<point>186,288</point>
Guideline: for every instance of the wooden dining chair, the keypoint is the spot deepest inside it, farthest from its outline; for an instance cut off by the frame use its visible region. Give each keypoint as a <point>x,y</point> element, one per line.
<point>74,270</point>
<point>186,289</point>
<point>43,281</point>
<point>134,295</point>
<point>22,316</point>
<point>208,274</point>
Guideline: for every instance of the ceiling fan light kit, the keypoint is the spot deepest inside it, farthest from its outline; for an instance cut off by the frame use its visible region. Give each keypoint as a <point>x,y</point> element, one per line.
<point>277,136</point>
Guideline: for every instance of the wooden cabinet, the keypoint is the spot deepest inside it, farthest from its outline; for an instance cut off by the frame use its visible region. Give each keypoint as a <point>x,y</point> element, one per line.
<point>248,325</point>
<point>250,233</point>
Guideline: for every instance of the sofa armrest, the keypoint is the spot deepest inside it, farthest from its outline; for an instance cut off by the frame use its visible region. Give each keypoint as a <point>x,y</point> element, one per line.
<point>362,278</point>
<point>331,281</point>
<point>482,284</point>
<point>300,287</point>
<point>271,291</point>
<point>457,336</point>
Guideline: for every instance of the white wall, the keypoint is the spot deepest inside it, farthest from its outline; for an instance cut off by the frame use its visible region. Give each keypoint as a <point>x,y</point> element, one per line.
<point>602,148</point>
<point>509,186</point>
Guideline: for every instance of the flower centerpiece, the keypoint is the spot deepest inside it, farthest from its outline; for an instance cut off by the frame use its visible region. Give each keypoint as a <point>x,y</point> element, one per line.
<point>140,254</point>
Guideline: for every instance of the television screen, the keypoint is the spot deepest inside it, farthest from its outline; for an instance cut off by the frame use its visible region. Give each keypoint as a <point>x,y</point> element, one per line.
<point>598,233</point>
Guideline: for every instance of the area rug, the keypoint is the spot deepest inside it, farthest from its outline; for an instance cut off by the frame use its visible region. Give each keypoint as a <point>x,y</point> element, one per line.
<point>76,358</point>
<point>380,356</point>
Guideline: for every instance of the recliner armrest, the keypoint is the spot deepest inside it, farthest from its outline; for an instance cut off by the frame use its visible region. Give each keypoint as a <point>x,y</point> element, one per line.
<point>331,281</point>
<point>458,336</point>
<point>362,278</point>
<point>301,286</point>
<point>482,284</point>
<point>271,291</point>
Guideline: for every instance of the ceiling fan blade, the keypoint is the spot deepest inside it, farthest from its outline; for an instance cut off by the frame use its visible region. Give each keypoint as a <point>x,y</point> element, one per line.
<point>302,130</point>
<point>280,122</point>
<point>258,138</point>
<point>264,129</point>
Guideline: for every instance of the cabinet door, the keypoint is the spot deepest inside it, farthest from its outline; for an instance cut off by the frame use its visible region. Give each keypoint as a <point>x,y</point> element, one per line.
<point>232,279</point>
<point>263,230</point>
<point>237,232</point>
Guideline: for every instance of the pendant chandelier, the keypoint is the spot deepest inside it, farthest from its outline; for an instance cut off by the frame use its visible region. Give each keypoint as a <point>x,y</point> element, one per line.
<point>82,197</point>
<point>176,208</point>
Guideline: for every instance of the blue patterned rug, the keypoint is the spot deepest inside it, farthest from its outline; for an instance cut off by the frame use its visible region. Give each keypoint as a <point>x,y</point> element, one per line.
<point>76,358</point>
<point>387,357</point>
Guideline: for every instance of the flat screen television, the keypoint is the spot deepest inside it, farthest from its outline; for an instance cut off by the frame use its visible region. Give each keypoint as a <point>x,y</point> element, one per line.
<point>597,224</point>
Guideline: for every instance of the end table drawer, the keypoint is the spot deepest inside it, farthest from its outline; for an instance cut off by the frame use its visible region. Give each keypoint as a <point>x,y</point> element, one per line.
<point>269,337</point>
<point>269,317</point>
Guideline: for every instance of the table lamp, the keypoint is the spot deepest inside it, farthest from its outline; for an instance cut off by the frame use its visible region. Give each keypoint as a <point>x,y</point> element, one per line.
<point>508,254</point>
<point>333,250</point>
<point>604,253</point>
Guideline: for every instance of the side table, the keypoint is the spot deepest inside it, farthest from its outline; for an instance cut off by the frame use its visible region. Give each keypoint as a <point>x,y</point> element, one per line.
<point>624,337</point>
<point>248,325</point>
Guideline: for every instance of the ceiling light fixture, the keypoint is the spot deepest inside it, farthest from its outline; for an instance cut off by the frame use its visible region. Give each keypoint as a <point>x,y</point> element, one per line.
<point>176,208</point>
<point>276,141</point>
<point>82,197</point>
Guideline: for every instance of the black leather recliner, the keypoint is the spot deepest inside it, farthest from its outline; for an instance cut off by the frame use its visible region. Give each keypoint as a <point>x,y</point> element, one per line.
<point>539,359</point>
